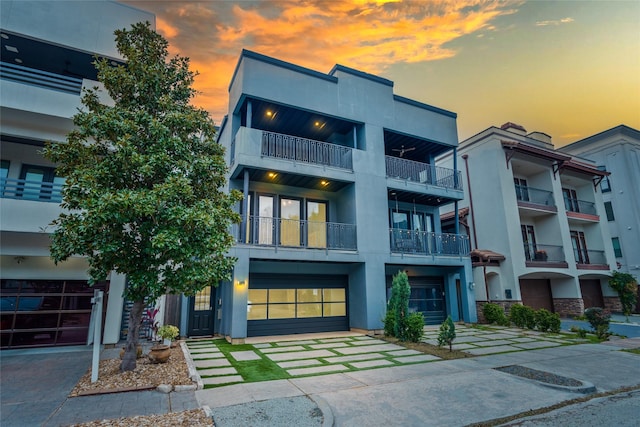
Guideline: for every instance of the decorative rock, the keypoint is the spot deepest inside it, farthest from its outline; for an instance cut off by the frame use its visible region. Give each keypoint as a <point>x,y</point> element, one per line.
<point>165,388</point>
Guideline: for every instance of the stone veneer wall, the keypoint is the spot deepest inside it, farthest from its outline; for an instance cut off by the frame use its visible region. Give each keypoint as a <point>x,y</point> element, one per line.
<point>506,305</point>
<point>568,307</point>
<point>612,304</point>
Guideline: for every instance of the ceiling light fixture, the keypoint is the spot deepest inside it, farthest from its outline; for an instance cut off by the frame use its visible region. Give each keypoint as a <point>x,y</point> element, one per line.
<point>324,183</point>
<point>4,36</point>
<point>11,48</point>
<point>272,175</point>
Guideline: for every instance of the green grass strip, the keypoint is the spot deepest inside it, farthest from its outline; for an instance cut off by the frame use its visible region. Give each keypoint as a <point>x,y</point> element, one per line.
<point>263,369</point>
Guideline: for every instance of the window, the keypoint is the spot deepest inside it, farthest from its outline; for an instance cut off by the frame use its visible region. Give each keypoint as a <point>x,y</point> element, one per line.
<point>617,250</point>
<point>4,173</point>
<point>40,183</point>
<point>529,241</point>
<point>605,185</point>
<point>570,200</point>
<point>579,247</point>
<point>522,192</point>
<point>608,208</point>
<point>297,303</point>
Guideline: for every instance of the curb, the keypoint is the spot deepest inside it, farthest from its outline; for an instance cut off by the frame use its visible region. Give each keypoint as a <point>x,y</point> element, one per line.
<point>191,367</point>
<point>327,413</point>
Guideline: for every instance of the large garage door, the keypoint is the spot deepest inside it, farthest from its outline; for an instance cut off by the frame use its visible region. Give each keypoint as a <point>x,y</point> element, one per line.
<point>536,293</point>
<point>591,293</point>
<point>296,304</point>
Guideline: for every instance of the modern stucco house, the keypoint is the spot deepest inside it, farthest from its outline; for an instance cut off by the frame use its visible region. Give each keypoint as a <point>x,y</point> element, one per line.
<point>47,54</point>
<point>340,193</point>
<point>536,221</point>
<point>617,150</point>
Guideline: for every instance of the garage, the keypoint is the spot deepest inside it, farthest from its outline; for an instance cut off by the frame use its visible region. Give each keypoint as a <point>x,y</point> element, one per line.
<point>427,297</point>
<point>536,293</point>
<point>591,293</point>
<point>295,304</point>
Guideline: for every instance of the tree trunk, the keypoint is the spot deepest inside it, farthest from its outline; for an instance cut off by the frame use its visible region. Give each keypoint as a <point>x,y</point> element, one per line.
<point>130,350</point>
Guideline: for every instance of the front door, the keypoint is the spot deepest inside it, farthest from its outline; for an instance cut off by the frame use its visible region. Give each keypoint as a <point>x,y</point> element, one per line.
<point>201,311</point>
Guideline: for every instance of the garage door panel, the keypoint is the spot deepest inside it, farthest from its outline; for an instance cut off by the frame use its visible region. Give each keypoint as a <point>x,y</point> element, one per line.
<point>591,293</point>
<point>536,293</point>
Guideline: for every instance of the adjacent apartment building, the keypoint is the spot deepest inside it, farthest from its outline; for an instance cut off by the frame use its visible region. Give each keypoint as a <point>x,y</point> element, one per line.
<point>47,53</point>
<point>537,222</point>
<point>341,192</point>
<point>617,150</point>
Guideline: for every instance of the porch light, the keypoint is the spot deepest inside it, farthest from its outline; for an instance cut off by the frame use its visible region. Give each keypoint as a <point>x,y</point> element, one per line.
<point>324,183</point>
<point>241,283</point>
<point>271,114</point>
<point>272,175</point>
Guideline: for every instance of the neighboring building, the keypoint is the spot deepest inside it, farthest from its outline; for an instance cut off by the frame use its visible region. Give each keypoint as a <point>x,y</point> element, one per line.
<point>536,221</point>
<point>341,192</point>
<point>47,54</point>
<point>617,151</point>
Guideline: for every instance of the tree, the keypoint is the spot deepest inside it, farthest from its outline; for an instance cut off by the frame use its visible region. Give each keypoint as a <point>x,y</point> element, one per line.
<point>399,305</point>
<point>627,288</point>
<point>144,181</point>
<point>447,333</point>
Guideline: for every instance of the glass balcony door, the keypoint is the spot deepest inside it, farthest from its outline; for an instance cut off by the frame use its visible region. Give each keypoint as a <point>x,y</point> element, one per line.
<point>316,224</point>
<point>265,224</point>
<point>290,222</point>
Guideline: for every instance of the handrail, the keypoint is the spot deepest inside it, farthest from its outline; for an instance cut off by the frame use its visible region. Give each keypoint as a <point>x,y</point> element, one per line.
<point>428,243</point>
<point>534,195</point>
<point>543,253</point>
<point>423,173</point>
<point>32,76</point>
<point>588,256</point>
<point>580,206</point>
<point>30,190</point>
<point>306,150</point>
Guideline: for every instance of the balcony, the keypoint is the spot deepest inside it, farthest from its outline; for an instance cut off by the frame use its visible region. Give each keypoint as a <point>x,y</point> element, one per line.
<point>30,190</point>
<point>303,150</point>
<point>535,200</point>
<point>279,232</point>
<point>423,173</point>
<point>428,243</point>
<point>581,210</point>
<point>544,256</point>
<point>590,259</point>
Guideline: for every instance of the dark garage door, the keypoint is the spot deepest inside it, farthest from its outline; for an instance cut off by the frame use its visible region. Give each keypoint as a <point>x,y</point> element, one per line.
<point>591,293</point>
<point>536,293</point>
<point>296,304</point>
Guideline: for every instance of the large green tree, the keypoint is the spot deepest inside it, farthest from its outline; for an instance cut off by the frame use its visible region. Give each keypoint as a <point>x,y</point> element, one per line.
<point>144,181</point>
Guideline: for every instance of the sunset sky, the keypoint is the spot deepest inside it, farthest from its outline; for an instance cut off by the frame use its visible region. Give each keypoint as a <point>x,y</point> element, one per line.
<point>568,68</point>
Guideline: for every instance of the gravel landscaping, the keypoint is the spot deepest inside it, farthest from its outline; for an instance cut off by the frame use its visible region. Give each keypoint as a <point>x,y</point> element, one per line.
<point>541,376</point>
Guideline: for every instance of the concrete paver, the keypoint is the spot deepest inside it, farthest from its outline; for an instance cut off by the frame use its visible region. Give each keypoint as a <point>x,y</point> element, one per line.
<point>317,370</point>
<point>371,363</point>
<point>243,356</point>
<point>295,355</point>
<point>213,363</point>
<point>222,380</point>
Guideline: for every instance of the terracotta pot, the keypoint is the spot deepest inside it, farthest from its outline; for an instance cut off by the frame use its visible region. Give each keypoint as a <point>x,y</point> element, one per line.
<point>160,353</point>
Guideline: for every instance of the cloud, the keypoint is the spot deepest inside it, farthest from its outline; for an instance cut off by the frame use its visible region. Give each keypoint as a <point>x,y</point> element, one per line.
<point>363,34</point>
<point>554,22</point>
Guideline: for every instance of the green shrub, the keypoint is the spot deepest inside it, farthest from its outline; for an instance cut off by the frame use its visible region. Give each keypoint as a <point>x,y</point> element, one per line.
<point>599,319</point>
<point>447,333</point>
<point>415,327</point>
<point>627,288</point>
<point>493,313</point>
<point>547,321</point>
<point>389,322</point>
<point>395,321</point>
<point>522,316</point>
<point>582,333</point>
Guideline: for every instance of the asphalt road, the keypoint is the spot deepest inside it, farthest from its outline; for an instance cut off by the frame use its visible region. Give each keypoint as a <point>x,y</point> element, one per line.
<point>627,329</point>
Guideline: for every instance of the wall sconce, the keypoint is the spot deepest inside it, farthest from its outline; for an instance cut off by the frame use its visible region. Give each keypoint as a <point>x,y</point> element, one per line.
<point>472,285</point>
<point>19,259</point>
<point>241,283</point>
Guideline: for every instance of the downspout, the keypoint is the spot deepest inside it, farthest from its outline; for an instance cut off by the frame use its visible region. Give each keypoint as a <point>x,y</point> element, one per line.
<point>455,183</point>
<point>465,157</point>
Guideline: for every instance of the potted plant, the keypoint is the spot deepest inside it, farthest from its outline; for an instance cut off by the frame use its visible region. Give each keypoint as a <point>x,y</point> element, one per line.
<point>168,333</point>
<point>541,255</point>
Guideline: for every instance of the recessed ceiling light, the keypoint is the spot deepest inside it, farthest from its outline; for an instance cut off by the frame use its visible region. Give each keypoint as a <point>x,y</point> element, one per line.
<point>11,48</point>
<point>324,183</point>
<point>18,60</point>
<point>4,36</point>
<point>272,174</point>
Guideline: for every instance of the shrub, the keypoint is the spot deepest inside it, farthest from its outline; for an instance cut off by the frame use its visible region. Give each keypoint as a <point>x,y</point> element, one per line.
<point>398,308</point>
<point>522,316</point>
<point>494,313</point>
<point>415,327</point>
<point>547,321</point>
<point>582,333</point>
<point>389,323</point>
<point>599,319</point>
<point>447,333</point>
<point>168,332</point>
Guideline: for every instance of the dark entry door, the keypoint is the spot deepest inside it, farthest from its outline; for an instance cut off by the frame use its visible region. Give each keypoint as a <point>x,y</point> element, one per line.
<point>536,293</point>
<point>591,293</point>
<point>201,311</point>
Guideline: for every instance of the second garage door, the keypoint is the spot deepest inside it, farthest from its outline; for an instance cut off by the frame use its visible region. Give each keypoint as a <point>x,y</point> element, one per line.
<point>536,293</point>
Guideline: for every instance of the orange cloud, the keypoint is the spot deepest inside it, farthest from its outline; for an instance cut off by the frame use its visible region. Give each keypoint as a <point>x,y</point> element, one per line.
<point>366,35</point>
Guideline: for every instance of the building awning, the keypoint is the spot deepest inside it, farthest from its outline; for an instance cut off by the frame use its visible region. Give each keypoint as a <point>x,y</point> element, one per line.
<point>481,257</point>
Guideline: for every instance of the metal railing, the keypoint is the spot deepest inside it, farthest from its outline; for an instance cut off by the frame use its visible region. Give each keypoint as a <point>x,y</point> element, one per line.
<point>267,231</point>
<point>428,243</point>
<point>534,195</point>
<point>423,173</point>
<point>232,152</point>
<point>584,256</point>
<point>31,76</point>
<point>305,150</point>
<point>544,253</point>
<point>580,206</point>
<point>30,190</point>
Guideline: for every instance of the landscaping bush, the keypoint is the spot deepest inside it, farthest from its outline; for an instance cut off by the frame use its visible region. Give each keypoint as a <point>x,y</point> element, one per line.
<point>582,333</point>
<point>415,327</point>
<point>547,321</point>
<point>397,317</point>
<point>389,323</point>
<point>447,333</point>
<point>599,319</point>
<point>522,316</point>
<point>627,288</point>
<point>493,313</point>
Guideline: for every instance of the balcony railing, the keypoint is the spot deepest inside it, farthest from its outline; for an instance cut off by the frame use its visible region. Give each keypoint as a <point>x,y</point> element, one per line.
<point>544,253</point>
<point>423,173</point>
<point>305,150</point>
<point>428,243</point>
<point>267,231</point>
<point>534,195</point>
<point>580,206</point>
<point>584,256</point>
<point>30,190</point>
<point>31,76</point>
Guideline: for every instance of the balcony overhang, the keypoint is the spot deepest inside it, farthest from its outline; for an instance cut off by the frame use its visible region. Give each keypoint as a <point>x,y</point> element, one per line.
<point>289,179</point>
<point>431,198</point>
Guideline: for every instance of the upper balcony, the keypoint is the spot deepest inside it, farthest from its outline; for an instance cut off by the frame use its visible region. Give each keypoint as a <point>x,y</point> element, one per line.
<point>535,201</point>
<point>22,209</point>
<point>545,256</point>
<point>428,243</point>
<point>587,259</point>
<point>423,173</point>
<point>580,210</point>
